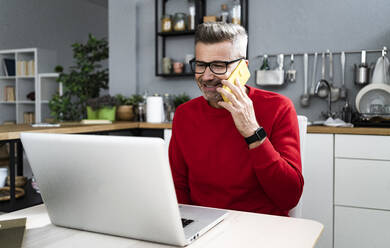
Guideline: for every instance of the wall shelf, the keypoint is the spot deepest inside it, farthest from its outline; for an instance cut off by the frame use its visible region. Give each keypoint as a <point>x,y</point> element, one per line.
<point>162,38</point>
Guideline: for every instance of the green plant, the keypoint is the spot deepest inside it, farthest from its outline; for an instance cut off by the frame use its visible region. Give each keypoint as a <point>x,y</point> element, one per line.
<point>134,100</point>
<point>179,99</point>
<point>102,101</point>
<point>84,80</point>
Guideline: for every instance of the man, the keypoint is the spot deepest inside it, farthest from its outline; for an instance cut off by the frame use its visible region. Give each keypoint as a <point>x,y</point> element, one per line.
<point>219,153</point>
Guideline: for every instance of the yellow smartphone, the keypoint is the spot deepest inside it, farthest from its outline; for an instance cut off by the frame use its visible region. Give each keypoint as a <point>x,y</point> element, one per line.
<point>242,73</point>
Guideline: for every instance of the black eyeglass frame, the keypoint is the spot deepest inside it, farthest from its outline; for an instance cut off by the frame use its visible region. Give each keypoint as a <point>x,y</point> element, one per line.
<point>193,61</point>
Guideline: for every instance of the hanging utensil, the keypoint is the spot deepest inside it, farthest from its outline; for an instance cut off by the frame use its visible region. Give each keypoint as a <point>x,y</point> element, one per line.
<point>343,89</point>
<point>313,77</point>
<point>322,90</point>
<point>334,91</point>
<point>305,97</point>
<point>291,72</point>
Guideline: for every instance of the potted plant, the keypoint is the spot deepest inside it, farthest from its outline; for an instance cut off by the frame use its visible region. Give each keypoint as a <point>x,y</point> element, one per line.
<point>103,108</point>
<point>180,99</point>
<point>82,82</point>
<point>127,106</point>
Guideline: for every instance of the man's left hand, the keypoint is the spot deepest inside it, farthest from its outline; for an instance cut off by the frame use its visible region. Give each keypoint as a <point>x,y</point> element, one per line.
<point>240,107</point>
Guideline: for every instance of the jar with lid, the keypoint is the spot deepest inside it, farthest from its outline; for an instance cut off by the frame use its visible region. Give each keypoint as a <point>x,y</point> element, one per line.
<point>179,22</point>
<point>191,15</point>
<point>236,12</point>
<point>166,23</point>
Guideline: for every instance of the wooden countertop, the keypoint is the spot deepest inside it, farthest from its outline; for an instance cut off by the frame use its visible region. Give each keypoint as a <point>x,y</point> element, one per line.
<point>349,130</point>
<point>9,132</point>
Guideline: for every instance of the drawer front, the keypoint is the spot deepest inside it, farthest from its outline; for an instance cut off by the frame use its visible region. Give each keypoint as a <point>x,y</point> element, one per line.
<point>361,228</point>
<point>362,146</point>
<point>362,183</point>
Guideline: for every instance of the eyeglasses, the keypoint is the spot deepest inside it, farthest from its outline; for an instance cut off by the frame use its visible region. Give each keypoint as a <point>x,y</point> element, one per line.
<point>217,67</point>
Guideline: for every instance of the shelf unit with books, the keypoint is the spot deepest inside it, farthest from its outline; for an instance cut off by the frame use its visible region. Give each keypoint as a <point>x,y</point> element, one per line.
<point>19,81</point>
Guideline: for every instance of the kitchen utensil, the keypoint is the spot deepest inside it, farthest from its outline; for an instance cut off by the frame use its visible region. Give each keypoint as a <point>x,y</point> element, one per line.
<point>343,89</point>
<point>362,71</point>
<point>291,72</point>
<point>334,91</point>
<point>313,77</point>
<point>280,61</point>
<point>305,97</point>
<point>322,90</point>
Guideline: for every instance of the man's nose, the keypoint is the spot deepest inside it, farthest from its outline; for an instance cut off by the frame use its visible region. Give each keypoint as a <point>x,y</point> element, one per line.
<point>208,74</point>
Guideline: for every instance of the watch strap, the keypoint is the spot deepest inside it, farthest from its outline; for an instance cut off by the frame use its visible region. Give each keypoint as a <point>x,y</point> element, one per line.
<point>259,134</point>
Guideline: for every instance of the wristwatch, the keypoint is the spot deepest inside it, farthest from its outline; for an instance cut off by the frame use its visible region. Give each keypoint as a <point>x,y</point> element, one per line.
<point>259,134</point>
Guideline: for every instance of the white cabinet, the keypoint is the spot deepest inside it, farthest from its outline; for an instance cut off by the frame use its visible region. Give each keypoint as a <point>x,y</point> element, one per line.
<point>317,197</point>
<point>360,227</point>
<point>20,79</point>
<point>362,191</point>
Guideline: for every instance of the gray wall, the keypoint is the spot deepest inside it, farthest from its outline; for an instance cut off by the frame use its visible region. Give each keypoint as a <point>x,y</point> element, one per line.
<point>122,42</point>
<point>279,26</point>
<point>51,24</point>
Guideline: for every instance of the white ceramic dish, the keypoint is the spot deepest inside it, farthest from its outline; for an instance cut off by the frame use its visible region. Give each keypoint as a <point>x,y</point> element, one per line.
<point>372,94</point>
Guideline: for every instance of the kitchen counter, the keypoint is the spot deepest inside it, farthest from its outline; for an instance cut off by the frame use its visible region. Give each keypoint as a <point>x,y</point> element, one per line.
<point>349,130</point>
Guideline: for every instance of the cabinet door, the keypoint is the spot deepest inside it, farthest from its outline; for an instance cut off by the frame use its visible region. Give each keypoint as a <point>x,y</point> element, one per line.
<point>362,183</point>
<point>317,198</point>
<point>362,146</point>
<point>361,228</point>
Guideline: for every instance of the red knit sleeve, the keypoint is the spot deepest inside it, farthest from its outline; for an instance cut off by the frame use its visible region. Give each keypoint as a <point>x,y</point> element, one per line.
<point>277,161</point>
<point>178,167</point>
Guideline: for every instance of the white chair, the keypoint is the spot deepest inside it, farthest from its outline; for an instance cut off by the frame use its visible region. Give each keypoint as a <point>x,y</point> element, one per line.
<point>302,122</point>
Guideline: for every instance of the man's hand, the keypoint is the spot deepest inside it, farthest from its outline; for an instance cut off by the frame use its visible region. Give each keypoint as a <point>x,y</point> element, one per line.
<point>241,109</point>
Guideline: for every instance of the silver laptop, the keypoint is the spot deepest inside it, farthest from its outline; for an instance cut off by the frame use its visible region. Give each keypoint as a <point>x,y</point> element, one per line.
<point>116,185</point>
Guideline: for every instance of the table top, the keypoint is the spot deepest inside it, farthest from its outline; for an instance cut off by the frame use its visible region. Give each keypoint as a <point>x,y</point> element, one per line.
<point>10,132</point>
<point>239,229</point>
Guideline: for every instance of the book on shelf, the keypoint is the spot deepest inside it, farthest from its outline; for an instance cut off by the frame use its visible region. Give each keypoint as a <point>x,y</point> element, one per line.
<point>21,68</point>
<point>28,117</point>
<point>30,68</point>
<point>9,93</point>
<point>5,72</point>
<point>9,67</point>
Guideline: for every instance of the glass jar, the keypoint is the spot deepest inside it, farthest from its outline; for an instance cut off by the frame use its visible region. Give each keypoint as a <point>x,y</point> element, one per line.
<point>179,22</point>
<point>236,12</point>
<point>166,23</point>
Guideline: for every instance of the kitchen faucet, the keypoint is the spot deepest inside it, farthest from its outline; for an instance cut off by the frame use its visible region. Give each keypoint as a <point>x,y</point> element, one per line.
<point>326,83</point>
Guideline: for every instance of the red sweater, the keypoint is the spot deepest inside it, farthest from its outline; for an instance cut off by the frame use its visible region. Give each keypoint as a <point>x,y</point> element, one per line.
<point>212,165</point>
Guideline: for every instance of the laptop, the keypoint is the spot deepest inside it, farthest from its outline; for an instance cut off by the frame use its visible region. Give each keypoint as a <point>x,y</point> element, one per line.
<point>114,185</point>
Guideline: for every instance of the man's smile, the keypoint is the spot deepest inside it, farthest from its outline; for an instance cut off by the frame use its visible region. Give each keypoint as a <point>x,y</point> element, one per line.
<point>207,86</point>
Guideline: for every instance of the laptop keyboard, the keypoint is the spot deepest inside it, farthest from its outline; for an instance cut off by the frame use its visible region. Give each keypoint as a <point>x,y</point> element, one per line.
<point>186,222</point>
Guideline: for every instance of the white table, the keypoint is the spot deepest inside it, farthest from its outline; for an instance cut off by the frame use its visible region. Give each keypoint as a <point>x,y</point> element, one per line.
<point>239,229</point>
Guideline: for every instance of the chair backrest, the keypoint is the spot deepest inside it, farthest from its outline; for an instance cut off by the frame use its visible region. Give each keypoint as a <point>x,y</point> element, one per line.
<point>302,122</point>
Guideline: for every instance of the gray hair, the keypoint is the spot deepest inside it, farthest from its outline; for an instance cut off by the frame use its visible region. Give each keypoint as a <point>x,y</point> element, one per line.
<point>215,32</point>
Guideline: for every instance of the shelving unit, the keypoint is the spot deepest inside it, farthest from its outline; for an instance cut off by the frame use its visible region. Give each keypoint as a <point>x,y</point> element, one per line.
<point>162,38</point>
<point>46,88</point>
<point>23,82</point>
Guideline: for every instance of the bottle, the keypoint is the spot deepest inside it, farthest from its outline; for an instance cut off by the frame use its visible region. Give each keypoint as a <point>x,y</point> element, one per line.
<point>236,12</point>
<point>191,15</point>
<point>346,112</point>
<point>224,16</point>
<point>265,65</point>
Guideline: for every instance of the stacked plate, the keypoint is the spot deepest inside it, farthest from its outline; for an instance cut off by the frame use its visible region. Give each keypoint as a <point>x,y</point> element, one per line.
<point>374,100</point>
